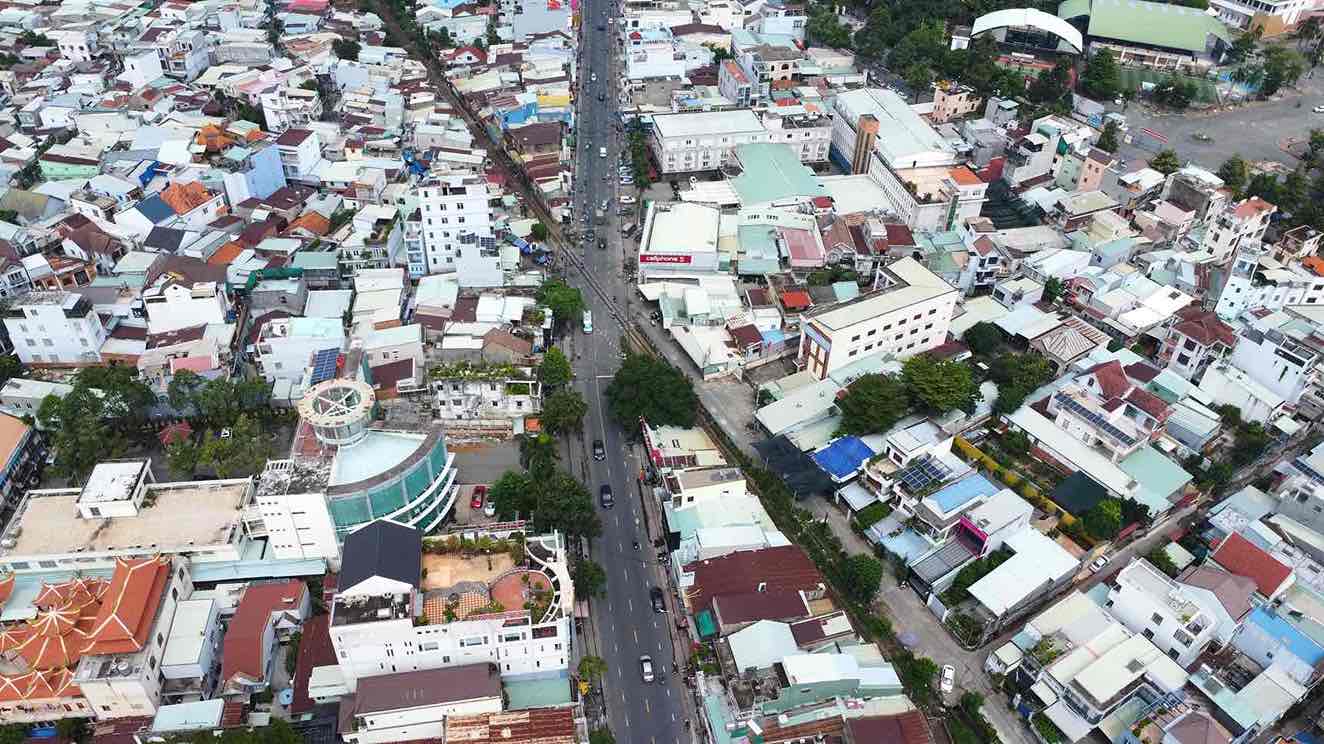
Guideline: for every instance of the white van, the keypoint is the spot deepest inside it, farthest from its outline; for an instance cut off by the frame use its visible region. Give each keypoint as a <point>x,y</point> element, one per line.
<point>588,321</point>
<point>602,152</point>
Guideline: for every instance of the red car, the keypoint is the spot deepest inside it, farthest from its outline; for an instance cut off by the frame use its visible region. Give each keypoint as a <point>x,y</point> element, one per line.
<point>480,493</point>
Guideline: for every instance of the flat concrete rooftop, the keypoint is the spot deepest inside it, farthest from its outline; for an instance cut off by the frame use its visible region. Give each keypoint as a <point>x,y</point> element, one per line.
<point>173,516</point>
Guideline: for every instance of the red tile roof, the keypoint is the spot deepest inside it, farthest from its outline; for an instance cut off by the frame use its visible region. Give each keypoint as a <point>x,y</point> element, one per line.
<point>781,568</point>
<point>746,335</point>
<point>796,300</point>
<point>748,607</point>
<point>1148,402</point>
<point>1204,327</point>
<point>244,652</point>
<point>315,650</point>
<point>904,728</point>
<point>1113,382</point>
<point>1244,558</point>
<point>129,606</point>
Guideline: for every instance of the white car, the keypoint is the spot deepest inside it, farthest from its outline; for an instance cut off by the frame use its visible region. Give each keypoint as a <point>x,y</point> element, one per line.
<point>626,199</point>
<point>948,680</point>
<point>1098,564</point>
<point>646,667</point>
<point>1318,109</point>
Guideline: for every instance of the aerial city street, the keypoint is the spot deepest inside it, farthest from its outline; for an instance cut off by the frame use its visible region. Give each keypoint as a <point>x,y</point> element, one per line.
<point>694,372</point>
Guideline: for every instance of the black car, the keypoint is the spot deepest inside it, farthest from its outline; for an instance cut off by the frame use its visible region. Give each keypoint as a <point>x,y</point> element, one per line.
<point>599,451</point>
<point>659,601</point>
<point>604,496</point>
<point>602,96</point>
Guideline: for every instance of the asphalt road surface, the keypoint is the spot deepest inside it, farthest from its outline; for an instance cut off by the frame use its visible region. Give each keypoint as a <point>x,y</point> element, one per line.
<point>1256,131</point>
<point>624,622</point>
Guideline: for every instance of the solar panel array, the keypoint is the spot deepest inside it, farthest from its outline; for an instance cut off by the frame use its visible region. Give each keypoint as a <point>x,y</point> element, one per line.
<point>324,365</point>
<point>919,474</point>
<point>1095,418</point>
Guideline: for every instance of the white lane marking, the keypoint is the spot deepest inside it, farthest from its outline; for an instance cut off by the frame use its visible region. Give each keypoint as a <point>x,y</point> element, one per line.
<point>636,635</point>
<point>630,604</point>
<point>647,708</point>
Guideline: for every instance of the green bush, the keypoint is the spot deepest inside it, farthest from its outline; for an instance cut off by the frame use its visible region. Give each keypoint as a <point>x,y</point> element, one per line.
<point>872,514</point>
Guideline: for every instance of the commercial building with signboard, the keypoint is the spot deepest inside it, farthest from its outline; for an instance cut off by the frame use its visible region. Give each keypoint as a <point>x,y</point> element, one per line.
<point>680,240</point>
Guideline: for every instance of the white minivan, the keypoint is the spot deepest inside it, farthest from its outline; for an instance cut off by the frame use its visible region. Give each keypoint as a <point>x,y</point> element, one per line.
<point>588,321</point>
<point>602,152</point>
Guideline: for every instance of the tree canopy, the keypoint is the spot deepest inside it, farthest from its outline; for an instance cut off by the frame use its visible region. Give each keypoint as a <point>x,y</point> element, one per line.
<point>1235,173</point>
<point>1018,375</point>
<point>873,403</point>
<point>565,302</point>
<point>940,385</point>
<point>1165,162</point>
<point>649,388</point>
<point>346,49</point>
<point>97,420</point>
<point>546,495</point>
<point>590,578</point>
<point>861,575</point>
<point>1110,138</point>
<point>1102,78</point>
<point>1104,521</point>
<point>563,411</point>
<point>555,368</point>
<point>983,338</point>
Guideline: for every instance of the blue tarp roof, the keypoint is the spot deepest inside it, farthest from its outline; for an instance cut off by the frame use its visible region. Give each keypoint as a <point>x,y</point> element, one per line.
<point>843,457</point>
<point>774,336</point>
<point>962,491</point>
<point>155,209</point>
<point>1301,646</point>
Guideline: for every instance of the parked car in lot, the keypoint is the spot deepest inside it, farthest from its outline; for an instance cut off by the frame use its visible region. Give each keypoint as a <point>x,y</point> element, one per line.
<point>480,494</point>
<point>948,679</point>
<point>1098,564</point>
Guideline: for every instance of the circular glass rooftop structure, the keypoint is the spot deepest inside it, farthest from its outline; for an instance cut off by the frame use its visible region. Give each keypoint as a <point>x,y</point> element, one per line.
<point>339,410</point>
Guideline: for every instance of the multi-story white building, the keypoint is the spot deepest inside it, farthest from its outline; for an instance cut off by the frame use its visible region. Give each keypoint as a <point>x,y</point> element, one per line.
<point>171,306</point>
<point>1151,604</point>
<point>704,140</point>
<point>467,392</point>
<point>908,314</point>
<point>286,346</point>
<point>1275,15</point>
<point>1254,283</point>
<point>300,151</point>
<point>453,219</point>
<point>401,607</point>
<point>1195,339</point>
<point>121,512</point>
<point>77,45</point>
<point>1246,221</point>
<point>55,328</point>
<point>1280,358</point>
<point>290,106</point>
<point>775,17</point>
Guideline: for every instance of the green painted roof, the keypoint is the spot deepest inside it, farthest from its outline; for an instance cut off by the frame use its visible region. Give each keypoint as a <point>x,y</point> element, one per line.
<point>1155,24</point>
<point>772,171</point>
<point>1157,476</point>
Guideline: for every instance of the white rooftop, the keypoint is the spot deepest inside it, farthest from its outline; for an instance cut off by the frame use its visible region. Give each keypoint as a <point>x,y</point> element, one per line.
<point>112,481</point>
<point>706,123</point>
<point>1038,560</point>
<point>916,284</point>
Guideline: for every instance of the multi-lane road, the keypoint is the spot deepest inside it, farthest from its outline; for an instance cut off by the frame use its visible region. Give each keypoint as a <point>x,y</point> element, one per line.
<point>624,625</point>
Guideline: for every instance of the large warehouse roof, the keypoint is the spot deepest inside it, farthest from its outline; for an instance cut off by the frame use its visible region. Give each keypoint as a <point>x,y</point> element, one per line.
<point>1153,24</point>
<point>1029,17</point>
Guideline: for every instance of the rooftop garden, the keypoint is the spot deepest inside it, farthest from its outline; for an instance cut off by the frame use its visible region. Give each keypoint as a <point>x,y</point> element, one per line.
<point>493,371</point>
